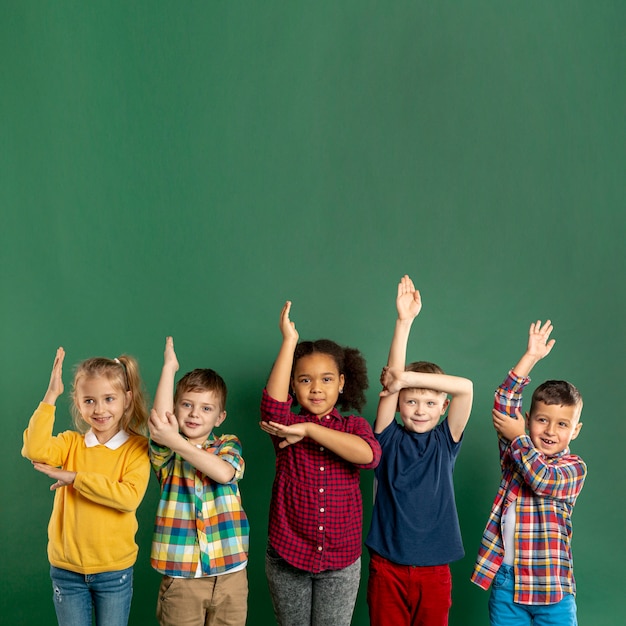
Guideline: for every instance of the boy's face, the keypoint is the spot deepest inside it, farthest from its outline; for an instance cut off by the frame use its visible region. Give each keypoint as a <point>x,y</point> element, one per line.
<point>552,426</point>
<point>198,413</point>
<point>421,409</point>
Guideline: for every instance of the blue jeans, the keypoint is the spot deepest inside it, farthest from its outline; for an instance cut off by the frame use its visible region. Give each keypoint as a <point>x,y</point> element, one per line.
<point>303,598</point>
<point>503,611</point>
<point>77,595</point>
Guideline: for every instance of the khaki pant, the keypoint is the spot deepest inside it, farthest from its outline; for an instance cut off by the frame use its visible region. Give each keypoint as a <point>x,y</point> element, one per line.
<point>212,601</point>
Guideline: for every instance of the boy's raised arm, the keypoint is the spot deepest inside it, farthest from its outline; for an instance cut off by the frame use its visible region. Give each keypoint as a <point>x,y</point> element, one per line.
<point>164,397</point>
<point>508,397</point>
<point>539,346</point>
<point>280,377</point>
<point>408,304</point>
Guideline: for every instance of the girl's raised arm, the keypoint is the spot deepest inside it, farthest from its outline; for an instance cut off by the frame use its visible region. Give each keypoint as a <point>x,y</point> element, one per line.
<point>55,387</point>
<point>280,377</point>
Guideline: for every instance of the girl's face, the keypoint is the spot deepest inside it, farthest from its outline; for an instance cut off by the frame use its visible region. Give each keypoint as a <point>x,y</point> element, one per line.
<point>317,383</point>
<point>101,404</point>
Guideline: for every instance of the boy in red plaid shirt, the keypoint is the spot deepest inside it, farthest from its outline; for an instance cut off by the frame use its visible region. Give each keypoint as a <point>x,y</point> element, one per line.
<point>526,547</point>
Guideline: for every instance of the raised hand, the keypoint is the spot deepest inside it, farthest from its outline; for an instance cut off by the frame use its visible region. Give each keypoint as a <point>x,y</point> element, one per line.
<point>287,327</point>
<point>408,301</point>
<point>169,356</point>
<point>290,434</point>
<point>539,344</point>
<point>55,386</point>
<point>63,477</point>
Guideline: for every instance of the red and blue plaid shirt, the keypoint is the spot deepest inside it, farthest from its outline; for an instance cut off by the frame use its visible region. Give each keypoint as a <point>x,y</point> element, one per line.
<point>316,513</point>
<point>543,491</point>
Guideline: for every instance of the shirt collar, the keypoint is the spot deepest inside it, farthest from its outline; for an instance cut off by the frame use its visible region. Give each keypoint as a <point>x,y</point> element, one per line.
<point>334,414</point>
<point>120,438</point>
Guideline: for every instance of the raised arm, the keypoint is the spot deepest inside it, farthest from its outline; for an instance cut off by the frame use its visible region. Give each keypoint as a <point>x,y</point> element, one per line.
<point>508,396</point>
<point>280,376</point>
<point>408,305</point>
<point>55,386</point>
<point>539,346</point>
<point>39,444</point>
<point>164,397</point>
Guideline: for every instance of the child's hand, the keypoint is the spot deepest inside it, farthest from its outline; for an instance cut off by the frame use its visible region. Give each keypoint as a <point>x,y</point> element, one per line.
<point>538,344</point>
<point>163,429</point>
<point>287,327</point>
<point>169,356</point>
<point>55,386</point>
<point>63,477</point>
<point>507,427</point>
<point>291,434</point>
<point>408,302</point>
<point>391,380</point>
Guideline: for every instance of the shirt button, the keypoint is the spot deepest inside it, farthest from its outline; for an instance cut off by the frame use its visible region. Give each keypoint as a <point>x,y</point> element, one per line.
<point>321,448</point>
<point>320,528</point>
<point>319,548</point>
<point>322,510</point>
<point>321,489</point>
<point>322,468</point>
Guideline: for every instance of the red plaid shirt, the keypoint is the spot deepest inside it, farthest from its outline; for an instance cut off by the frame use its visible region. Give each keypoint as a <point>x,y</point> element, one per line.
<point>316,513</point>
<point>543,491</point>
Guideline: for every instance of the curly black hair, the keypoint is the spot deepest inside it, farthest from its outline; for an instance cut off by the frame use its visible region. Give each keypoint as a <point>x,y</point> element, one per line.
<point>350,362</point>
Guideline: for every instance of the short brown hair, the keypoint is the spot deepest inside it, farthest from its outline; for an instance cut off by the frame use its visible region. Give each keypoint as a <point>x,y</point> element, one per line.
<point>202,380</point>
<point>556,392</point>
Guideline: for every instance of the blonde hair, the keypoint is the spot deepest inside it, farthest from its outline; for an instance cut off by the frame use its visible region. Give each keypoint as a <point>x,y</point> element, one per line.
<point>123,372</point>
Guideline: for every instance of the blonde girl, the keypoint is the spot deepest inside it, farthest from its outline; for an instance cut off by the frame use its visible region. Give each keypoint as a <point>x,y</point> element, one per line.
<point>101,473</point>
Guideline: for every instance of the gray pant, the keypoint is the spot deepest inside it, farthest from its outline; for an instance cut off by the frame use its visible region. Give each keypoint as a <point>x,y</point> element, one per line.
<point>303,598</point>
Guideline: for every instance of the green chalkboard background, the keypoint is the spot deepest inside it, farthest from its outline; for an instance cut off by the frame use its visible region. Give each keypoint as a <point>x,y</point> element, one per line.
<point>183,168</point>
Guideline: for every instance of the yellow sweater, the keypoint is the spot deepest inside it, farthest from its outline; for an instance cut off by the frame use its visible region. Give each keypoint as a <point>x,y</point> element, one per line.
<point>93,523</point>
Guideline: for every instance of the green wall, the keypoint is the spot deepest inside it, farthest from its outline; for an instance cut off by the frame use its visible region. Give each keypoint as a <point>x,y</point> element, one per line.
<point>184,168</point>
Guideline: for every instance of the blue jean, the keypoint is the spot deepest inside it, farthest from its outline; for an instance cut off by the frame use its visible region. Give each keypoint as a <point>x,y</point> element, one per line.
<point>503,611</point>
<point>76,596</point>
<point>301,598</point>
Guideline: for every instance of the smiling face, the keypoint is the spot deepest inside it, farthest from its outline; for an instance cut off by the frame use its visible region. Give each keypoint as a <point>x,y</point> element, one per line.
<point>198,413</point>
<point>317,383</point>
<point>421,409</point>
<point>101,404</point>
<point>552,426</point>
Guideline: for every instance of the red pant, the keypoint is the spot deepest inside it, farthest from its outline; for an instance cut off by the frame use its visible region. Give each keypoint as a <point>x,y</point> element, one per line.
<point>406,595</point>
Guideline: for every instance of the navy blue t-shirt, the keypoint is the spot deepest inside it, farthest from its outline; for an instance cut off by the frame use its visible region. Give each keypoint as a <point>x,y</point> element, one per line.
<point>414,521</point>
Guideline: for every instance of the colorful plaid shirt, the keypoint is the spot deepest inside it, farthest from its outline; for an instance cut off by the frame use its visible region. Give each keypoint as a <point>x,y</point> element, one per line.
<point>198,520</point>
<point>316,512</point>
<point>543,491</point>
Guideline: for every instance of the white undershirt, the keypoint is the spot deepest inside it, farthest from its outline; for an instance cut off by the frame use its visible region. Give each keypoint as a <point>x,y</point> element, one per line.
<point>508,534</point>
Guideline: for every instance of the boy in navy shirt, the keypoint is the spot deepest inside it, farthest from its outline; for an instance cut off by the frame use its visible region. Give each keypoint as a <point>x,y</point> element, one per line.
<point>415,533</point>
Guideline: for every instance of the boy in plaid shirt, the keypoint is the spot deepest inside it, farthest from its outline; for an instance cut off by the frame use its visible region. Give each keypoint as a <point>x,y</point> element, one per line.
<point>526,547</point>
<point>201,533</point>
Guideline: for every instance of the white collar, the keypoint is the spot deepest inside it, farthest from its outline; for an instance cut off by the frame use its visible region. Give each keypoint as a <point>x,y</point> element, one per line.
<point>119,439</point>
